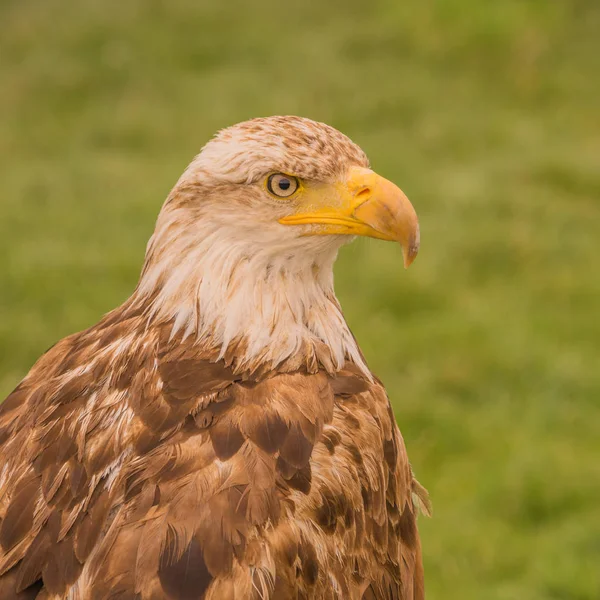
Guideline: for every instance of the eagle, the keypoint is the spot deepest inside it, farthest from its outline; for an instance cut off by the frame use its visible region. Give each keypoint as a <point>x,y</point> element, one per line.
<point>219,435</point>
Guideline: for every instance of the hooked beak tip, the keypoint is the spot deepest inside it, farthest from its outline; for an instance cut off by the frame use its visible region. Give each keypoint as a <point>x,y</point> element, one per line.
<point>410,248</point>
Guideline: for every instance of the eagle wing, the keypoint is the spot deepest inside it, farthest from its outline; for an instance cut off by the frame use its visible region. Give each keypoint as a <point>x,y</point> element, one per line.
<point>137,466</point>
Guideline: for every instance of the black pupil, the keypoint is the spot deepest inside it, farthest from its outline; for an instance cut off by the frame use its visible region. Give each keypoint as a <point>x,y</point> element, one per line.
<point>284,184</point>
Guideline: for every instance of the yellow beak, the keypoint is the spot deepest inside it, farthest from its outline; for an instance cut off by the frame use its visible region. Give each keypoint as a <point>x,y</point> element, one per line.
<point>364,204</point>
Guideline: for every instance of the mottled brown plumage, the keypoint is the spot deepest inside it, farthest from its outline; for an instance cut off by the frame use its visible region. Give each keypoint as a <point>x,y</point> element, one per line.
<point>141,462</point>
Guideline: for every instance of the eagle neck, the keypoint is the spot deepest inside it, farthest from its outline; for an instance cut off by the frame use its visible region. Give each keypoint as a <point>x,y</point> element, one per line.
<point>254,307</point>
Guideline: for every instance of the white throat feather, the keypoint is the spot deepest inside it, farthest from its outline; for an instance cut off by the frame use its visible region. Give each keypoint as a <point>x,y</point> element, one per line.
<point>259,293</point>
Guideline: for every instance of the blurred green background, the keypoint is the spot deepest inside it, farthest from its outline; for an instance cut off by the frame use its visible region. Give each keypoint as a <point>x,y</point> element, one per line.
<point>486,113</point>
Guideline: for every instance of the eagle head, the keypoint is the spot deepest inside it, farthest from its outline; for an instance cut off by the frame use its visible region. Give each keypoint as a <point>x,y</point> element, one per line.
<point>245,243</point>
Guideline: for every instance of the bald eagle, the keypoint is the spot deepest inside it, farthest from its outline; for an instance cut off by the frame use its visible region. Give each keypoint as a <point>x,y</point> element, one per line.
<point>219,435</point>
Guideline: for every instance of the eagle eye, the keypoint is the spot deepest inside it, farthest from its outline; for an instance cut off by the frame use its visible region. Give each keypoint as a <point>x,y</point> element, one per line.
<point>282,185</point>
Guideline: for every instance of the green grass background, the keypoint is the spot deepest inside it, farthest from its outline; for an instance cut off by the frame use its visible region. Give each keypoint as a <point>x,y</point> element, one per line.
<point>485,112</point>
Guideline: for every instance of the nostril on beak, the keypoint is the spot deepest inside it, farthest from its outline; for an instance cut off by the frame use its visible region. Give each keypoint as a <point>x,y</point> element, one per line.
<point>363,194</point>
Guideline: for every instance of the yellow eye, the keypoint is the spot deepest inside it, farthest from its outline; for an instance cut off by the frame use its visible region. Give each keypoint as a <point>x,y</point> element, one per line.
<point>282,185</point>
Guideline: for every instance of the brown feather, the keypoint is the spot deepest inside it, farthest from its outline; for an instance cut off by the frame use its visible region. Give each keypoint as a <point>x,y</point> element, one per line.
<point>165,475</point>
<point>11,590</point>
<point>30,568</point>
<point>266,428</point>
<point>297,448</point>
<point>186,578</point>
<point>18,520</point>
<point>226,439</point>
